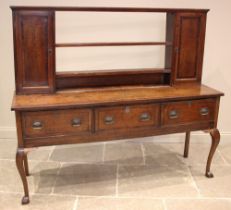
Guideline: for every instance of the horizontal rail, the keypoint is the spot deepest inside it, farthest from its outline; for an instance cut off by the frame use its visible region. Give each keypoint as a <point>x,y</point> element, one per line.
<point>101,44</point>
<point>108,9</point>
<point>113,77</point>
<point>60,74</point>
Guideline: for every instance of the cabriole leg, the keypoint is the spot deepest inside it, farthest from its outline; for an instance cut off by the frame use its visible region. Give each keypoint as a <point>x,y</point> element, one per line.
<point>25,161</point>
<point>20,161</point>
<point>186,144</point>
<point>215,135</point>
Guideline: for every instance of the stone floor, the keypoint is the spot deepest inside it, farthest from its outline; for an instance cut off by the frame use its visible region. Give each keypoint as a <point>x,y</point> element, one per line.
<point>137,175</point>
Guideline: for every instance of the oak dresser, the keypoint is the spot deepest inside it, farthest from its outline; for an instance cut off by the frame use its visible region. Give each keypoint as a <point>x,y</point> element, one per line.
<point>54,108</point>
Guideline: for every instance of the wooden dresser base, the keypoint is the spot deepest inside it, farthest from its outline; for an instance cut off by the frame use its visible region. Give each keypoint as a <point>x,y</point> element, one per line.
<point>94,115</point>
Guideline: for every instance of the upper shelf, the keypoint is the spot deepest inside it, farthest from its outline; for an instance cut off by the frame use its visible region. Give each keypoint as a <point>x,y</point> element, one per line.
<point>184,37</point>
<point>100,44</point>
<point>109,9</point>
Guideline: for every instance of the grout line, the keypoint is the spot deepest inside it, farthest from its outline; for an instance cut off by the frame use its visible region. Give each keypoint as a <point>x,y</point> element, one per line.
<point>117,180</point>
<point>93,163</point>
<point>56,178</point>
<point>50,153</point>
<point>103,156</point>
<point>75,206</point>
<point>194,184</point>
<point>222,157</point>
<point>121,197</point>
<point>143,153</point>
<point>154,198</point>
<point>7,159</point>
<point>10,192</point>
<point>164,204</point>
<point>8,139</point>
<point>70,162</point>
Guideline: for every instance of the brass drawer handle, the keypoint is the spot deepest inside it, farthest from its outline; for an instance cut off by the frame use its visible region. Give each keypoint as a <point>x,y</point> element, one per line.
<point>109,120</point>
<point>145,117</point>
<point>204,111</point>
<point>76,122</point>
<point>173,114</point>
<point>37,125</point>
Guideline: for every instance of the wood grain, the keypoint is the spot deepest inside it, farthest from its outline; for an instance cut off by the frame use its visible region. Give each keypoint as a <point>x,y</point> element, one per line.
<point>188,47</point>
<point>127,117</point>
<point>188,111</point>
<point>34,51</point>
<point>116,77</point>
<point>57,122</point>
<point>111,96</point>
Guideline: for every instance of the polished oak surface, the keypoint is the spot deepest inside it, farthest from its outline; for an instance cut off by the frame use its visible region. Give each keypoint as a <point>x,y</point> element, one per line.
<point>51,123</point>
<point>34,51</point>
<point>134,116</point>
<point>115,77</point>
<point>105,96</point>
<point>183,112</point>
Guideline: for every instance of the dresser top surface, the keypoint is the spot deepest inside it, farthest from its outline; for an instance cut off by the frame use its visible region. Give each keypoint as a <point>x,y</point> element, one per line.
<point>111,96</point>
<point>108,9</point>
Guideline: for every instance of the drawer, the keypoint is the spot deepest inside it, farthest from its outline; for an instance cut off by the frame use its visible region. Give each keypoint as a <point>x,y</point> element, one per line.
<point>50,123</point>
<point>125,117</point>
<point>188,111</point>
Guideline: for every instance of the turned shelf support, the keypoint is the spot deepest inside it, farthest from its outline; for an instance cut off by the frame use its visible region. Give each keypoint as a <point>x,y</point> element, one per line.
<point>22,166</point>
<point>215,135</point>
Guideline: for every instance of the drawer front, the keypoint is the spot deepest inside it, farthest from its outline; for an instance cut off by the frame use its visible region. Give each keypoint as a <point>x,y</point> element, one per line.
<point>125,117</point>
<point>188,111</point>
<point>50,123</point>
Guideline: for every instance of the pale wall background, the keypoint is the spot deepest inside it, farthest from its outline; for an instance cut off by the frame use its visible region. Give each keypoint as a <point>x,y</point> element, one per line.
<point>217,57</point>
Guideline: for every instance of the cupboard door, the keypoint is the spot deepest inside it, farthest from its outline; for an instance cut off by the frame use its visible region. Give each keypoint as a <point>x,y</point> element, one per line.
<point>34,51</point>
<point>189,47</point>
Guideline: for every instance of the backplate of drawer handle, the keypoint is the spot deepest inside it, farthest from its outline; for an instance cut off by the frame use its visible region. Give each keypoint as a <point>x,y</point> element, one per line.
<point>204,111</point>
<point>108,120</point>
<point>76,122</point>
<point>145,117</point>
<point>37,125</point>
<point>173,114</point>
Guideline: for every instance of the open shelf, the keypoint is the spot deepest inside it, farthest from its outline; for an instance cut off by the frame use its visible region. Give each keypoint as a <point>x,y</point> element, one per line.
<point>101,44</point>
<point>172,40</point>
<point>114,71</point>
<point>99,41</point>
<point>113,77</point>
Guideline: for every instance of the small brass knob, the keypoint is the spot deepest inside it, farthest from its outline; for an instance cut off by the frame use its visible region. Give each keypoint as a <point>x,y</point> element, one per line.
<point>173,114</point>
<point>76,122</point>
<point>37,125</point>
<point>109,120</point>
<point>145,117</point>
<point>204,111</point>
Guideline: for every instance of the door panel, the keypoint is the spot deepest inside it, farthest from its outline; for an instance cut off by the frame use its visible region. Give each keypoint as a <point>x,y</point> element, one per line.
<point>34,60</point>
<point>189,46</point>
